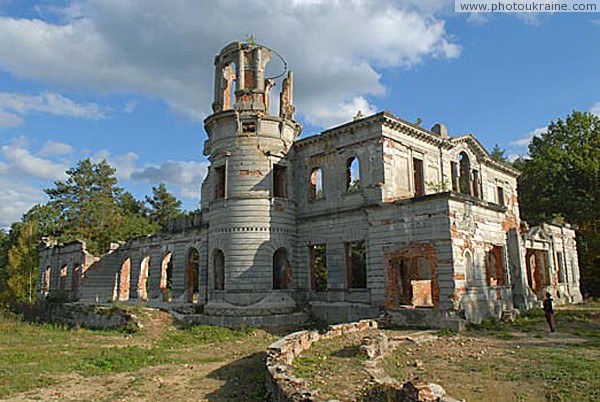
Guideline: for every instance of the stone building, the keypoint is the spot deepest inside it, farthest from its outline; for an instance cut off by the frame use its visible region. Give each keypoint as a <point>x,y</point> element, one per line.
<point>376,214</point>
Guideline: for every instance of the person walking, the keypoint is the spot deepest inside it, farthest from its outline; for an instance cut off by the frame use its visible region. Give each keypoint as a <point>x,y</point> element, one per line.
<point>549,311</point>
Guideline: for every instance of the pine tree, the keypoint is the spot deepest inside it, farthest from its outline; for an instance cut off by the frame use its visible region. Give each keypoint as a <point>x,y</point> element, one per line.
<point>164,206</point>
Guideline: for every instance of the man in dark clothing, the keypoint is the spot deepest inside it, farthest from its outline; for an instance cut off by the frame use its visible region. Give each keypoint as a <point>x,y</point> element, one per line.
<point>549,311</point>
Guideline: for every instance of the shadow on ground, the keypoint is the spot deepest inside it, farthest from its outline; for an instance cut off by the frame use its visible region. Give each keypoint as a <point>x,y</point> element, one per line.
<point>244,380</point>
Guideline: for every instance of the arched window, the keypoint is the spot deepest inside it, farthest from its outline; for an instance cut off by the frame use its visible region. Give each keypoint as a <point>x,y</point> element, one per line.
<point>469,269</point>
<point>193,275</point>
<point>219,270</point>
<point>229,86</point>
<point>282,271</point>
<point>64,274</point>
<point>124,280</point>
<point>352,174</point>
<point>316,184</point>
<point>143,282</point>
<point>465,173</point>
<point>166,277</point>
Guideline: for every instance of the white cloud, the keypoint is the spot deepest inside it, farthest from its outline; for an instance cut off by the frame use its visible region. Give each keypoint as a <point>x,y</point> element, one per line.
<point>595,109</point>
<point>123,164</point>
<point>8,119</point>
<point>130,107</point>
<point>161,50</point>
<point>14,106</point>
<point>55,148</point>
<point>22,162</point>
<point>191,192</point>
<point>335,113</point>
<point>173,172</point>
<point>16,199</point>
<point>524,142</point>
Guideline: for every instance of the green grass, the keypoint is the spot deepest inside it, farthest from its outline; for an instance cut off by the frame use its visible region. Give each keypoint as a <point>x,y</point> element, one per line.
<point>38,355</point>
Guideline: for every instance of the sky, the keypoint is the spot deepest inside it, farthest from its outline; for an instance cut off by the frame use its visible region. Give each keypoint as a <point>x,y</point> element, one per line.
<point>131,81</point>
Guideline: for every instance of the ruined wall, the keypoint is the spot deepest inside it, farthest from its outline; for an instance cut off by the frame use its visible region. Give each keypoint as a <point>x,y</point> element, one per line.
<point>551,262</point>
<point>481,258</point>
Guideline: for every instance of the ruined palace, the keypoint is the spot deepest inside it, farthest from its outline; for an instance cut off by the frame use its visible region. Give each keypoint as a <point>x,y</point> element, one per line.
<point>378,215</point>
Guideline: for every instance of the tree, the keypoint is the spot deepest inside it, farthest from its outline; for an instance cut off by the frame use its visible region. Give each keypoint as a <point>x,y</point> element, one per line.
<point>3,262</point>
<point>164,206</point>
<point>498,154</point>
<point>89,206</point>
<point>561,179</point>
<point>21,263</point>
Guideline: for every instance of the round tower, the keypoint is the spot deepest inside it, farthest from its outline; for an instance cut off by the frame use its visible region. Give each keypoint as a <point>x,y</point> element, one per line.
<point>246,196</point>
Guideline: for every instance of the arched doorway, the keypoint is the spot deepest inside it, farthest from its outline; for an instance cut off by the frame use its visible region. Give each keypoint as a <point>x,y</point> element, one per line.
<point>218,270</point>
<point>282,271</point>
<point>166,277</point>
<point>193,275</point>
<point>142,289</point>
<point>125,280</point>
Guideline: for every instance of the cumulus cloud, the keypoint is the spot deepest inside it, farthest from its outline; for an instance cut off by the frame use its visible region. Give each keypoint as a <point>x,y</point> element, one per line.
<point>16,199</point>
<point>157,49</point>
<point>23,162</point>
<point>595,109</point>
<point>524,142</point>
<point>336,113</point>
<point>55,148</point>
<point>14,106</point>
<point>173,172</point>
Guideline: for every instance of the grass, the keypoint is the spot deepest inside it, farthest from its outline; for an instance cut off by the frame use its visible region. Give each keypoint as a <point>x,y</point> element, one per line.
<point>516,361</point>
<point>34,356</point>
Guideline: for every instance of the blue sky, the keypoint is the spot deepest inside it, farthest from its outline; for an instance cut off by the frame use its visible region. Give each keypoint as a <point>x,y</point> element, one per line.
<point>131,81</point>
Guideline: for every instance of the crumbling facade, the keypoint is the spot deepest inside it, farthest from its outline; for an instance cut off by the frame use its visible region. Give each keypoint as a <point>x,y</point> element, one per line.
<point>376,214</point>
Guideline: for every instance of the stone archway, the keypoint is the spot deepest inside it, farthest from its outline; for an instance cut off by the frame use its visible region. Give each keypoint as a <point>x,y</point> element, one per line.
<point>166,277</point>
<point>193,275</point>
<point>282,270</point>
<point>142,289</point>
<point>125,280</point>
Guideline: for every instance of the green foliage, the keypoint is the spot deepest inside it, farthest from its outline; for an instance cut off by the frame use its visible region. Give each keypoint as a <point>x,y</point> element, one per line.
<point>20,263</point>
<point>89,206</point>
<point>163,206</point>
<point>561,181</point>
<point>498,154</point>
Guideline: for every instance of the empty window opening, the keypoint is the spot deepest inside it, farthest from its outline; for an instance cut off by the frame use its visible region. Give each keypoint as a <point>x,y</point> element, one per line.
<point>465,174</point>
<point>220,182</point>
<point>356,265</point>
<point>279,182</point>
<point>414,281</point>
<point>124,280</point>
<point>64,273</point>
<point>229,86</point>
<point>455,176</point>
<point>352,175</point>
<point>282,270</point>
<point>249,127</point>
<point>318,267</point>
<point>501,196</point>
<point>494,266</point>
<point>476,184</point>
<point>560,266</point>
<point>142,289</point>
<point>166,277</point>
<point>316,184</point>
<point>537,270</point>
<point>219,270</point>
<point>418,177</point>
<point>193,275</point>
